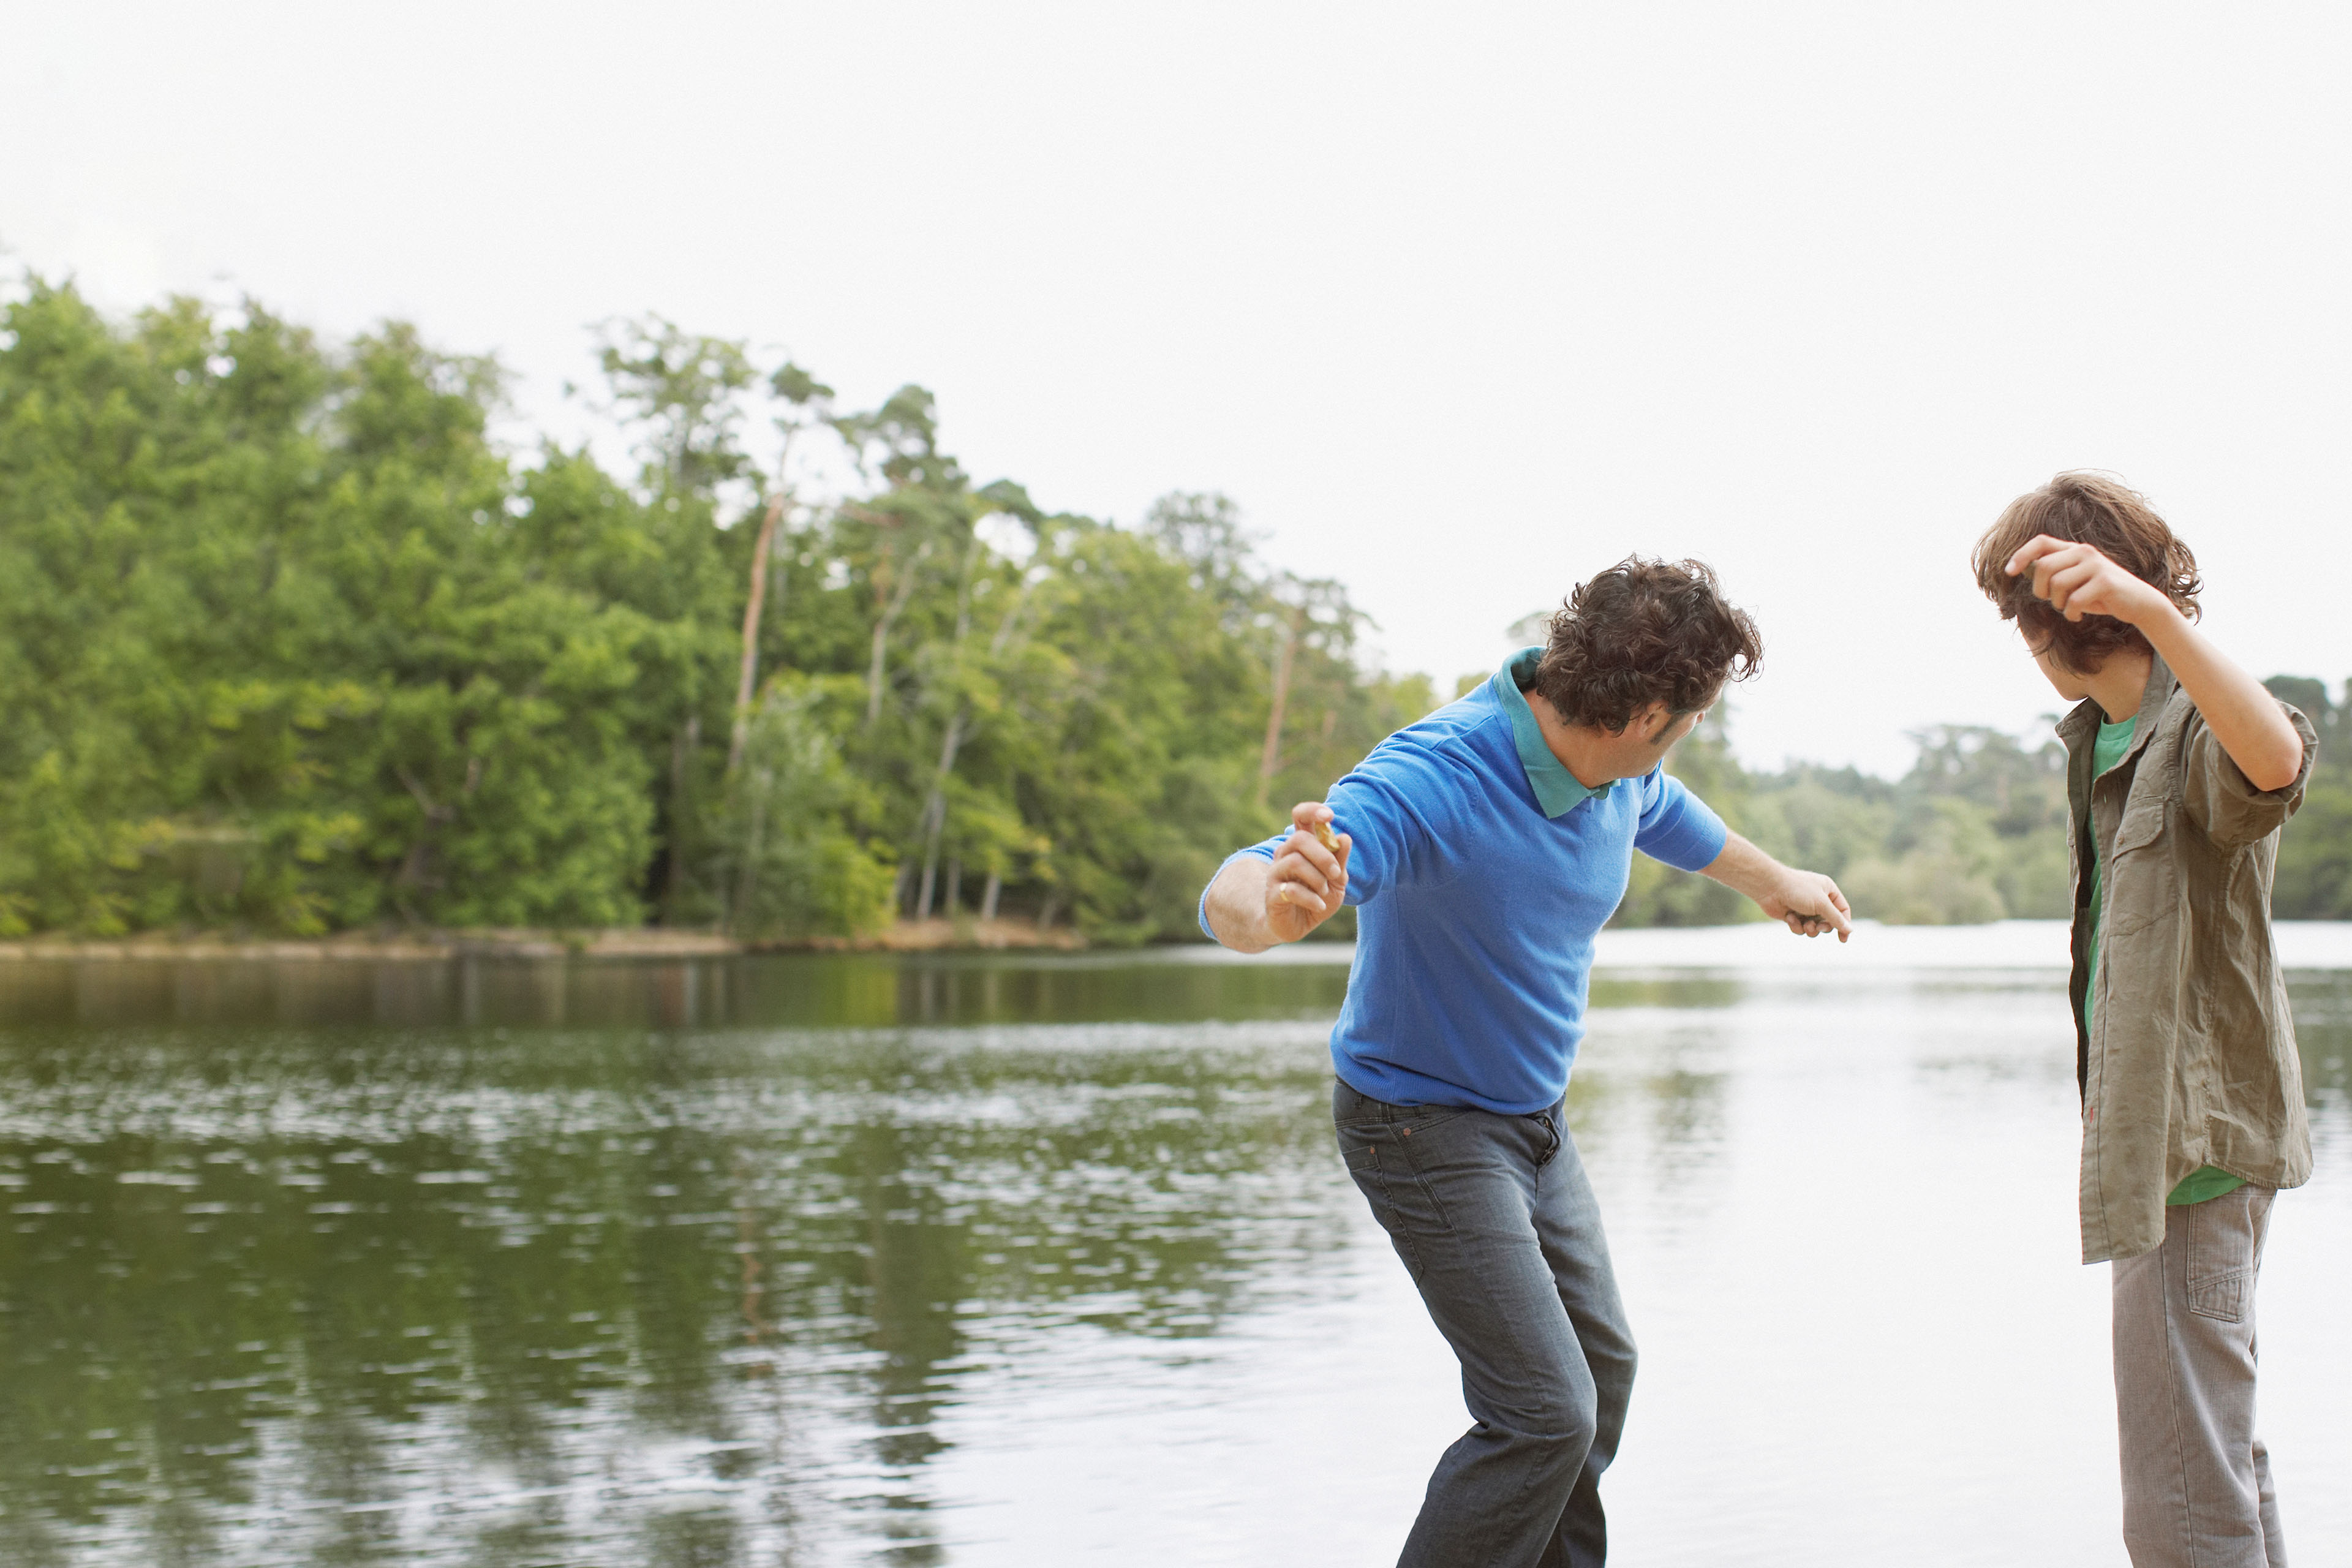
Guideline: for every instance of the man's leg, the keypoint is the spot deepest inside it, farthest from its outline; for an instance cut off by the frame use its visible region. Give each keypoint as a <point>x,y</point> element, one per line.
<point>1567,1222</point>
<point>2197,1483</point>
<point>1460,1193</point>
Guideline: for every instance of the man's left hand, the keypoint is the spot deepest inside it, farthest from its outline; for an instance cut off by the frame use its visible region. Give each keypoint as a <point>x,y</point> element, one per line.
<point>1811,905</point>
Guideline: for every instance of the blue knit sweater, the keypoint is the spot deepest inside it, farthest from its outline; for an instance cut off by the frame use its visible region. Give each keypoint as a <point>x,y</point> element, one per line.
<point>1481,871</point>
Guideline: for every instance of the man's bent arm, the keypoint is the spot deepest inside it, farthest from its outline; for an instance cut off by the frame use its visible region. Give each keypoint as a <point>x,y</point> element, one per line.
<point>1236,905</point>
<point>1255,904</point>
<point>1805,901</point>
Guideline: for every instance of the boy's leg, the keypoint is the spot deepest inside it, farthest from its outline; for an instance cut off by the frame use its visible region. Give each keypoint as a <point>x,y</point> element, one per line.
<point>2196,1481</point>
<point>1458,1191</point>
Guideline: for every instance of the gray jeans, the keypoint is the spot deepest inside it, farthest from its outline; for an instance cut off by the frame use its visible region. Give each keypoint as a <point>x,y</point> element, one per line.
<point>1498,1226</point>
<point>2197,1481</point>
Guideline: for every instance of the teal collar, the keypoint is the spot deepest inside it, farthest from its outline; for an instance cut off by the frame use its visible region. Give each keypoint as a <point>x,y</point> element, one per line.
<point>1557,789</point>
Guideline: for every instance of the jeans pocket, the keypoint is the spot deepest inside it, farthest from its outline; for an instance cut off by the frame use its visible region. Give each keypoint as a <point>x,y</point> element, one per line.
<point>1352,1108</point>
<point>1400,1202</point>
<point>2221,1298</point>
<point>2219,1273</point>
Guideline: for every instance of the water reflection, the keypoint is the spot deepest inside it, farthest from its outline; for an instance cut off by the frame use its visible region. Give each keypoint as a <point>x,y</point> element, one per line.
<point>673,1264</point>
<point>863,990</point>
<point>500,1295</point>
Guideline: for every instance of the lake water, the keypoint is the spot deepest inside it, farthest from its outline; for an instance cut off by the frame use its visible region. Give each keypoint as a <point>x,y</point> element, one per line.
<point>998,1262</point>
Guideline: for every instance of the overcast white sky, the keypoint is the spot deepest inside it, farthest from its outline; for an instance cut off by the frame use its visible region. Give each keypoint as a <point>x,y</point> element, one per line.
<point>1460,303</point>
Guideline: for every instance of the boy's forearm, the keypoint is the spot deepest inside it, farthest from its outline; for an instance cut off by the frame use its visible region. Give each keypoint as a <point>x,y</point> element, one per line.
<point>2244,718</point>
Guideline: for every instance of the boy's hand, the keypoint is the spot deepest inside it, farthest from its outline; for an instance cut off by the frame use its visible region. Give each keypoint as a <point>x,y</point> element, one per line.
<point>2079,581</point>
<point>1309,881</point>
<point>1809,904</point>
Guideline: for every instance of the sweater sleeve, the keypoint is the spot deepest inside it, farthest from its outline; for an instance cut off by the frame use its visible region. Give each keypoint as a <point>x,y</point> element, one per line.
<point>1394,806</point>
<point>1676,826</point>
<point>1263,850</point>
<point>1399,807</point>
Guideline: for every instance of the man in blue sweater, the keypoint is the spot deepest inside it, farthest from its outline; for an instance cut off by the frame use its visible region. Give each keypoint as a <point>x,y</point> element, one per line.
<point>1486,845</point>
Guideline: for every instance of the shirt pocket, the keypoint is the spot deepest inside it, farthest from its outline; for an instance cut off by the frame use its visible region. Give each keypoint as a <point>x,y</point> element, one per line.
<point>2142,825</point>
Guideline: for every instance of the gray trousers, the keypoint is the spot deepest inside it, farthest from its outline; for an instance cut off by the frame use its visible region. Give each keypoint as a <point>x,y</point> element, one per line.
<point>2197,1481</point>
<point>1498,1227</point>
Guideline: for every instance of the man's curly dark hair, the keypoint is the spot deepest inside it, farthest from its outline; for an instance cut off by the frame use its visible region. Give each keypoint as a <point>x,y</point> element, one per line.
<point>1645,631</point>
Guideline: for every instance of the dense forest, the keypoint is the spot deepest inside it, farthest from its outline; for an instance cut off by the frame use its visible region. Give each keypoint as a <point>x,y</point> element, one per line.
<point>1975,831</point>
<point>291,644</point>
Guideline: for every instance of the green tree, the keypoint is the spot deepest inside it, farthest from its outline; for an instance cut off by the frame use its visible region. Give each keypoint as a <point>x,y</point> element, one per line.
<point>2315,859</point>
<point>291,646</point>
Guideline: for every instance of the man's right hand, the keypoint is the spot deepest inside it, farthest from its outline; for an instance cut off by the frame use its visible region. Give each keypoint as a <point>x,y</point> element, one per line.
<point>1308,882</point>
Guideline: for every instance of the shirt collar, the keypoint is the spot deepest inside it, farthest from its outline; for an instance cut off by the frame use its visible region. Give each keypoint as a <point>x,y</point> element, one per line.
<point>1557,790</point>
<point>2079,729</point>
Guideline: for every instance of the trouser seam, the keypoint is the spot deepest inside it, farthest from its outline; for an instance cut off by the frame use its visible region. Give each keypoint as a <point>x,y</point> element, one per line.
<point>2173,1350</point>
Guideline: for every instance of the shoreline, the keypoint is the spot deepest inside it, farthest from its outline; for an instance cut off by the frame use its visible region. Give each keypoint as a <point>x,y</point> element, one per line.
<point>936,935</point>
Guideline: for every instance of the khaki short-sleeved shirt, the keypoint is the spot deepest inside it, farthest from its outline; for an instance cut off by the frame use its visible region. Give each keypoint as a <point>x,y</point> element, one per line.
<point>2189,1058</point>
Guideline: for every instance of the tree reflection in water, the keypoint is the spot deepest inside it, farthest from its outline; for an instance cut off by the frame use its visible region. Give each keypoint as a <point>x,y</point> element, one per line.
<point>393,1286</point>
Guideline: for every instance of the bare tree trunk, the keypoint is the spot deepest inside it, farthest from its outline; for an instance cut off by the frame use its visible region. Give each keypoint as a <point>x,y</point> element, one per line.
<point>689,739</point>
<point>1270,758</point>
<point>753,604</point>
<point>987,896</point>
<point>874,671</point>
<point>882,622</point>
<point>935,809</point>
<point>935,813</point>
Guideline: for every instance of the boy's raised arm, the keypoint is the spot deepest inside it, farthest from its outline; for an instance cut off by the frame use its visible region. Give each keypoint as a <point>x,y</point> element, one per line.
<point>2245,719</point>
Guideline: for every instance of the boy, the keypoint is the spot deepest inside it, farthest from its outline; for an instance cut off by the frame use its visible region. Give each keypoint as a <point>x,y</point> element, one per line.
<point>2181,769</point>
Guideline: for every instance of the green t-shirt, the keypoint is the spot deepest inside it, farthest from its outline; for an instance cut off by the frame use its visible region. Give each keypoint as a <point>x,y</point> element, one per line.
<point>2114,740</point>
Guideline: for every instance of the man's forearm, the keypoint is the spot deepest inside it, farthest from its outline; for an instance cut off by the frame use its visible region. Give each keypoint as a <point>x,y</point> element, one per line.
<point>1237,906</point>
<point>2244,718</point>
<point>1745,869</point>
<point>1253,904</point>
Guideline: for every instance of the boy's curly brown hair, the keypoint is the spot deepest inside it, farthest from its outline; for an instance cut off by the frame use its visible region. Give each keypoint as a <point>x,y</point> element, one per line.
<point>2101,512</point>
<point>1644,631</point>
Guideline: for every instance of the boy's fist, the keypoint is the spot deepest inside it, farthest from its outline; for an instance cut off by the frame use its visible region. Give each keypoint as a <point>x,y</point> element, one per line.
<point>2079,581</point>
